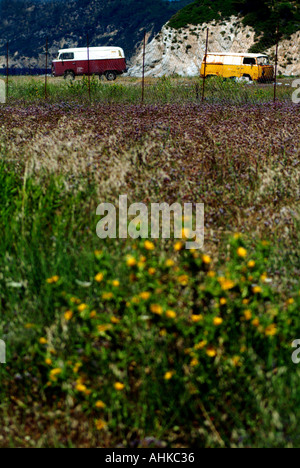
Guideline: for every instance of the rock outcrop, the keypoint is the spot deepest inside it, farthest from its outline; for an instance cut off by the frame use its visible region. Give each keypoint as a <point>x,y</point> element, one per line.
<point>181,51</point>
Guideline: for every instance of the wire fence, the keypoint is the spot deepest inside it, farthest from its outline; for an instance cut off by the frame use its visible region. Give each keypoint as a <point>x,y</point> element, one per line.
<point>223,77</point>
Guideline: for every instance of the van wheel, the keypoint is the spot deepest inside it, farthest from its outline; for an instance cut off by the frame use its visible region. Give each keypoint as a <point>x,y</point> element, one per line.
<point>111,75</point>
<point>247,78</point>
<point>69,75</point>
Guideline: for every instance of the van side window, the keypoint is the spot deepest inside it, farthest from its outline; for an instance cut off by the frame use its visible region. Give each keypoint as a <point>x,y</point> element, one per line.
<point>67,56</point>
<point>249,61</point>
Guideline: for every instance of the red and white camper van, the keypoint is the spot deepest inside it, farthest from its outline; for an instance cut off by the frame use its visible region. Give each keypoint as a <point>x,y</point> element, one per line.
<point>108,61</point>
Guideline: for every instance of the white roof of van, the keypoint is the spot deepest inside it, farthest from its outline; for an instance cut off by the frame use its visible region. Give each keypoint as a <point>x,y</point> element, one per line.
<point>229,54</point>
<point>84,49</point>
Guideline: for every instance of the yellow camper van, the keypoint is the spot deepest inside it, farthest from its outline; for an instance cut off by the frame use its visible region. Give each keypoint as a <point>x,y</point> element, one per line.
<point>251,67</point>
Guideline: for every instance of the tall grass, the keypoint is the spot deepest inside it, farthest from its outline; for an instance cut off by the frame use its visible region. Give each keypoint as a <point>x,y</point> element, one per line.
<point>161,90</point>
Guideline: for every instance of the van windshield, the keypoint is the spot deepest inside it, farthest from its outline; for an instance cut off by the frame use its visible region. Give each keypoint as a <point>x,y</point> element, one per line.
<point>263,61</point>
<point>66,56</point>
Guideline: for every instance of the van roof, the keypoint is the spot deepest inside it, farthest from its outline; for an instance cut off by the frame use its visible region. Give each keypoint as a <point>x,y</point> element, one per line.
<point>229,54</point>
<point>84,49</point>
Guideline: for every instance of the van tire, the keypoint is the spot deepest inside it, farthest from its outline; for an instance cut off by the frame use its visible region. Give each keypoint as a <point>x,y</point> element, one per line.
<point>110,75</point>
<point>247,78</point>
<point>69,75</point>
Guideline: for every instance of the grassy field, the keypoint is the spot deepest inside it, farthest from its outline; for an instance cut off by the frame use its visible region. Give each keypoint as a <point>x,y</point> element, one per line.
<point>143,344</point>
<point>157,90</point>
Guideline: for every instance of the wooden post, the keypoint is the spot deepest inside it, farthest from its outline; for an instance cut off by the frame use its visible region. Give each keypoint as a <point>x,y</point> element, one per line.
<point>205,59</point>
<point>46,70</point>
<point>143,80</point>
<point>7,71</point>
<point>276,63</point>
<point>88,57</point>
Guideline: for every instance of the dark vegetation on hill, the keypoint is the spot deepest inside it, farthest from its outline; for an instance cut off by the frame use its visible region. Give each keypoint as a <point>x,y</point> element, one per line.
<point>262,15</point>
<point>25,24</point>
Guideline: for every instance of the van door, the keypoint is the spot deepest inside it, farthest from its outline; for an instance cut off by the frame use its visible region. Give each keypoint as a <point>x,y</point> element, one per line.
<point>249,68</point>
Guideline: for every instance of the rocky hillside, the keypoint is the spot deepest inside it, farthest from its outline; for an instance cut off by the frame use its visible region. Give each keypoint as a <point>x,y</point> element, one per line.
<point>25,24</point>
<point>180,51</point>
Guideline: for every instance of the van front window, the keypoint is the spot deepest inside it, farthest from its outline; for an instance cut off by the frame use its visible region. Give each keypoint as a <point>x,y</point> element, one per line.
<point>263,61</point>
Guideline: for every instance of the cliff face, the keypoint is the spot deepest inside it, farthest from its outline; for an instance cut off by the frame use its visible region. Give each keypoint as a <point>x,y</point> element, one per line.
<point>181,51</point>
<point>25,25</point>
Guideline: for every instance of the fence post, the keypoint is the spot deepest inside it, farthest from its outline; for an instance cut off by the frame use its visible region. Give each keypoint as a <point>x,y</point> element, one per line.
<point>88,57</point>
<point>143,79</point>
<point>7,71</point>
<point>276,63</point>
<point>205,59</point>
<point>46,70</point>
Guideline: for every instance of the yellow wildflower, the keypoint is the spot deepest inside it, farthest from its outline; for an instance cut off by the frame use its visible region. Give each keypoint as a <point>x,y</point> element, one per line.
<point>43,341</point>
<point>170,263</point>
<point>169,375</point>
<point>201,345</point>
<point>271,330</point>
<point>93,314</point>
<point>211,274</point>
<point>68,315</point>
<point>116,283</point>
<point>236,360</point>
<point>119,386</point>
<point>227,284</point>
<point>100,424</point>
<point>223,301</point>
<point>48,362</point>
<point>251,264</point>
<point>156,309</point>
<point>264,277</point>
<point>178,246</point>
<point>206,259</point>
<point>248,314</point>
<point>131,261</point>
<point>82,307</point>
<point>196,318</point>
<point>194,362</point>
<point>100,404</point>
<point>29,325</point>
<point>149,245</point>
<point>211,352</point>
<point>255,322</point>
<point>171,314</point>
<point>183,280</point>
<point>99,277</point>
<point>145,295</point>
<point>151,271</point>
<point>242,252</point>
<point>256,289</point>
<point>115,320</point>
<point>53,279</point>
<point>81,388</point>
<point>54,373</point>
<point>107,295</point>
<point>217,321</point>
<point>104,328</point>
